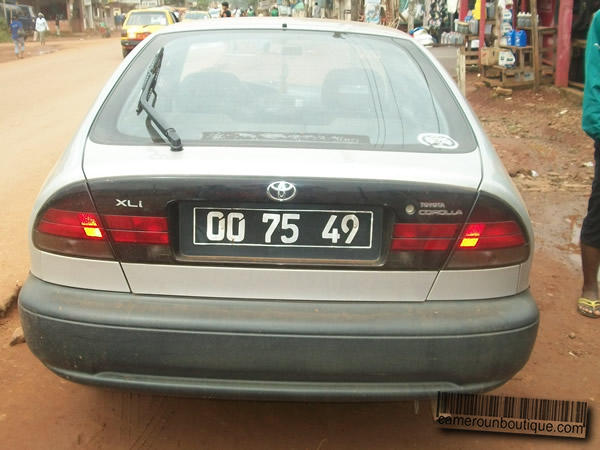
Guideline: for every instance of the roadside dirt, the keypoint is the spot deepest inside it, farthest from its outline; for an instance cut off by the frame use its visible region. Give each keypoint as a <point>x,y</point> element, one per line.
<point>539,138</point>
<point>53,44</point>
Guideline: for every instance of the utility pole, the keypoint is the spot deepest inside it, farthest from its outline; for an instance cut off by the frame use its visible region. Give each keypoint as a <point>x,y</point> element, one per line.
<point>355,10</point>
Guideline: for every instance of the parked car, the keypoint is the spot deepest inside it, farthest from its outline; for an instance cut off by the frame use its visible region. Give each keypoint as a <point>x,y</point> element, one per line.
<point>140,23</point>
<point>242,215</point>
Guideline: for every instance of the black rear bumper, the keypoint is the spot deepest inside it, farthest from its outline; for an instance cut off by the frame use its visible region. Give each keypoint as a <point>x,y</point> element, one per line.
<point>277,350</point>
<point>129,44</point>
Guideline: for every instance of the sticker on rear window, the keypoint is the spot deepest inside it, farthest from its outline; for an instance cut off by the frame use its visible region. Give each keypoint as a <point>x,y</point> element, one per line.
<point>437,141</point>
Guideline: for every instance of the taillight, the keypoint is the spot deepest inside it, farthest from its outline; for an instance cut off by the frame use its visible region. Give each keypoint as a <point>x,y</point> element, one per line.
<point>70,225</point>
<point>483,236</point>
<point>492,237</point>
<point>78,225</point>
<point>141,36</point>
<point>423,236</point>
<point>137,229</point>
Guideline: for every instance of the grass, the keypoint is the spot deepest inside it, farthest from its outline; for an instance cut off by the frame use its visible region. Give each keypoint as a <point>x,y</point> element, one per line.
<point>4,33</point>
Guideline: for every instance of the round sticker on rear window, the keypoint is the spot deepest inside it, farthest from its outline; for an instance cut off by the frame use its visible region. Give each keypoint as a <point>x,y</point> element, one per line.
<point>435,140</point>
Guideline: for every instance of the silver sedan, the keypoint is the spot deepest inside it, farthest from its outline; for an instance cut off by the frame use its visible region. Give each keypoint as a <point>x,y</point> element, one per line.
<point>280,208</point>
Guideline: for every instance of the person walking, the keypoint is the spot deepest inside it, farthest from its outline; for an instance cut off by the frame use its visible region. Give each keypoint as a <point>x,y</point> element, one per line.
<point>117,21</point>
<point>57,24</point>
<point>41,26</point>
<point>589,302</point>
<point>17,33</point>
<point>316,13</point>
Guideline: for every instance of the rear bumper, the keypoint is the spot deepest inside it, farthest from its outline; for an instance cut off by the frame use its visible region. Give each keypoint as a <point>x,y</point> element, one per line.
<point>129,43</point>
<point>277,350</point>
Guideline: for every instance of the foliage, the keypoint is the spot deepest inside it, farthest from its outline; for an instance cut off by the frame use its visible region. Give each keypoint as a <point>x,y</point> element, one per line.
<point>4,31</point>
<point>202,5</point>
<point>175,3</point>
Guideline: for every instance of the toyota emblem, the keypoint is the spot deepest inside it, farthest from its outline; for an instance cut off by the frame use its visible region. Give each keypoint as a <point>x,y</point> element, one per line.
<point>281,191</point>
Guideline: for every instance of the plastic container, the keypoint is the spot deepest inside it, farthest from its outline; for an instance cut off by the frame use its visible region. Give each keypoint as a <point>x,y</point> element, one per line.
<point>506,28</point>
<point>520,38</point>
<point>474,26</point>
<point>463,27</point>
<point>507,58</point>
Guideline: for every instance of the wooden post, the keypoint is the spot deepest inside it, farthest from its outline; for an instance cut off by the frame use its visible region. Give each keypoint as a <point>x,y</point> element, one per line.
<point>535,42</point>
<point>354,10</point>
<point>482,21</point>
<point>563,49</point>
<point>461,71</point>
<point>462,10</point>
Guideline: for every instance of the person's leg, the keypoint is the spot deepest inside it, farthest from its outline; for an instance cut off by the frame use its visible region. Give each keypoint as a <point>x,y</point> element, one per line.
<point>590,243</point>
<point>16,41</point>
<point>590,263</point>
<point>42,37</point>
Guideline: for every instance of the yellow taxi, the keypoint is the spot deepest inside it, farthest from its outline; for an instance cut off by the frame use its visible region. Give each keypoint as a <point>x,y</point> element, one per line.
<point>140,23</point>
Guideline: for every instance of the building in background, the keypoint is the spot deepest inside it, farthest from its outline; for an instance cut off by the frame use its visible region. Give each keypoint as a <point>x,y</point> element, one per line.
<point>82,15</point>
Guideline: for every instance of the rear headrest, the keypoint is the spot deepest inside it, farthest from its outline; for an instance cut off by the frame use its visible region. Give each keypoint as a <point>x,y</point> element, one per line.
<point>349,90</point>
<point>209,92</point>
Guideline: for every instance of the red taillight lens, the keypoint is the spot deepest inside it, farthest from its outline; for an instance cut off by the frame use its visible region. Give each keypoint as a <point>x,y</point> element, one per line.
<point>483,236</point>
<point>141,36</point>
<point>86,225</point>
<point>59,222</point>
<point>423,236</point>
<point>137,229</point>
<point>492,237</point>
<point>70,225</point>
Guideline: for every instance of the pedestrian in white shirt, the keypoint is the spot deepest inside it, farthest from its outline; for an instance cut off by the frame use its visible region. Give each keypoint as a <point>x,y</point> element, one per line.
<point>316,11</point>
<point>41,26</point>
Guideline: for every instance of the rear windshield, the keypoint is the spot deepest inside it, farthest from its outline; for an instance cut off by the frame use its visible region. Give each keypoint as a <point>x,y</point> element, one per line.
<point>288,89</point>
<point>147,18</point>
<point>196,15</point>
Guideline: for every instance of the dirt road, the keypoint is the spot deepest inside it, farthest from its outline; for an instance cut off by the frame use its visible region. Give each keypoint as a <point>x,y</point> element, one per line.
<point>44,98</point>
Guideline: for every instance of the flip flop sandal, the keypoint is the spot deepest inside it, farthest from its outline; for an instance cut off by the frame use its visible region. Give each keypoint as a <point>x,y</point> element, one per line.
<point>594,304</point>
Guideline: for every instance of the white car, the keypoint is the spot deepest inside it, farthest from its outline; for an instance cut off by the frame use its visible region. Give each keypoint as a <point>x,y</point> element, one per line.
<point>281,208</point>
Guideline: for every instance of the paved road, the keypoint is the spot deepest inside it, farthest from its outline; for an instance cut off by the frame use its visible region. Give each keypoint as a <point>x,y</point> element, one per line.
<point>48,97</point>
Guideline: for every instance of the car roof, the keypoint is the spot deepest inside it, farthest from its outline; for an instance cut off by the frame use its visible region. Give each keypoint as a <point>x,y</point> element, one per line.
<point>134,11</point>
<point>288,23</point>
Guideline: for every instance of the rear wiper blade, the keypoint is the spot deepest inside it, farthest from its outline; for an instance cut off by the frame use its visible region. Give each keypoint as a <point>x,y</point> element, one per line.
<point>148,88</point>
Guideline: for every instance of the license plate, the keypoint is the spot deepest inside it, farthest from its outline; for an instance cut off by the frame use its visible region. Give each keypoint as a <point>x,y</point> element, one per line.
<point>305,233</point>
